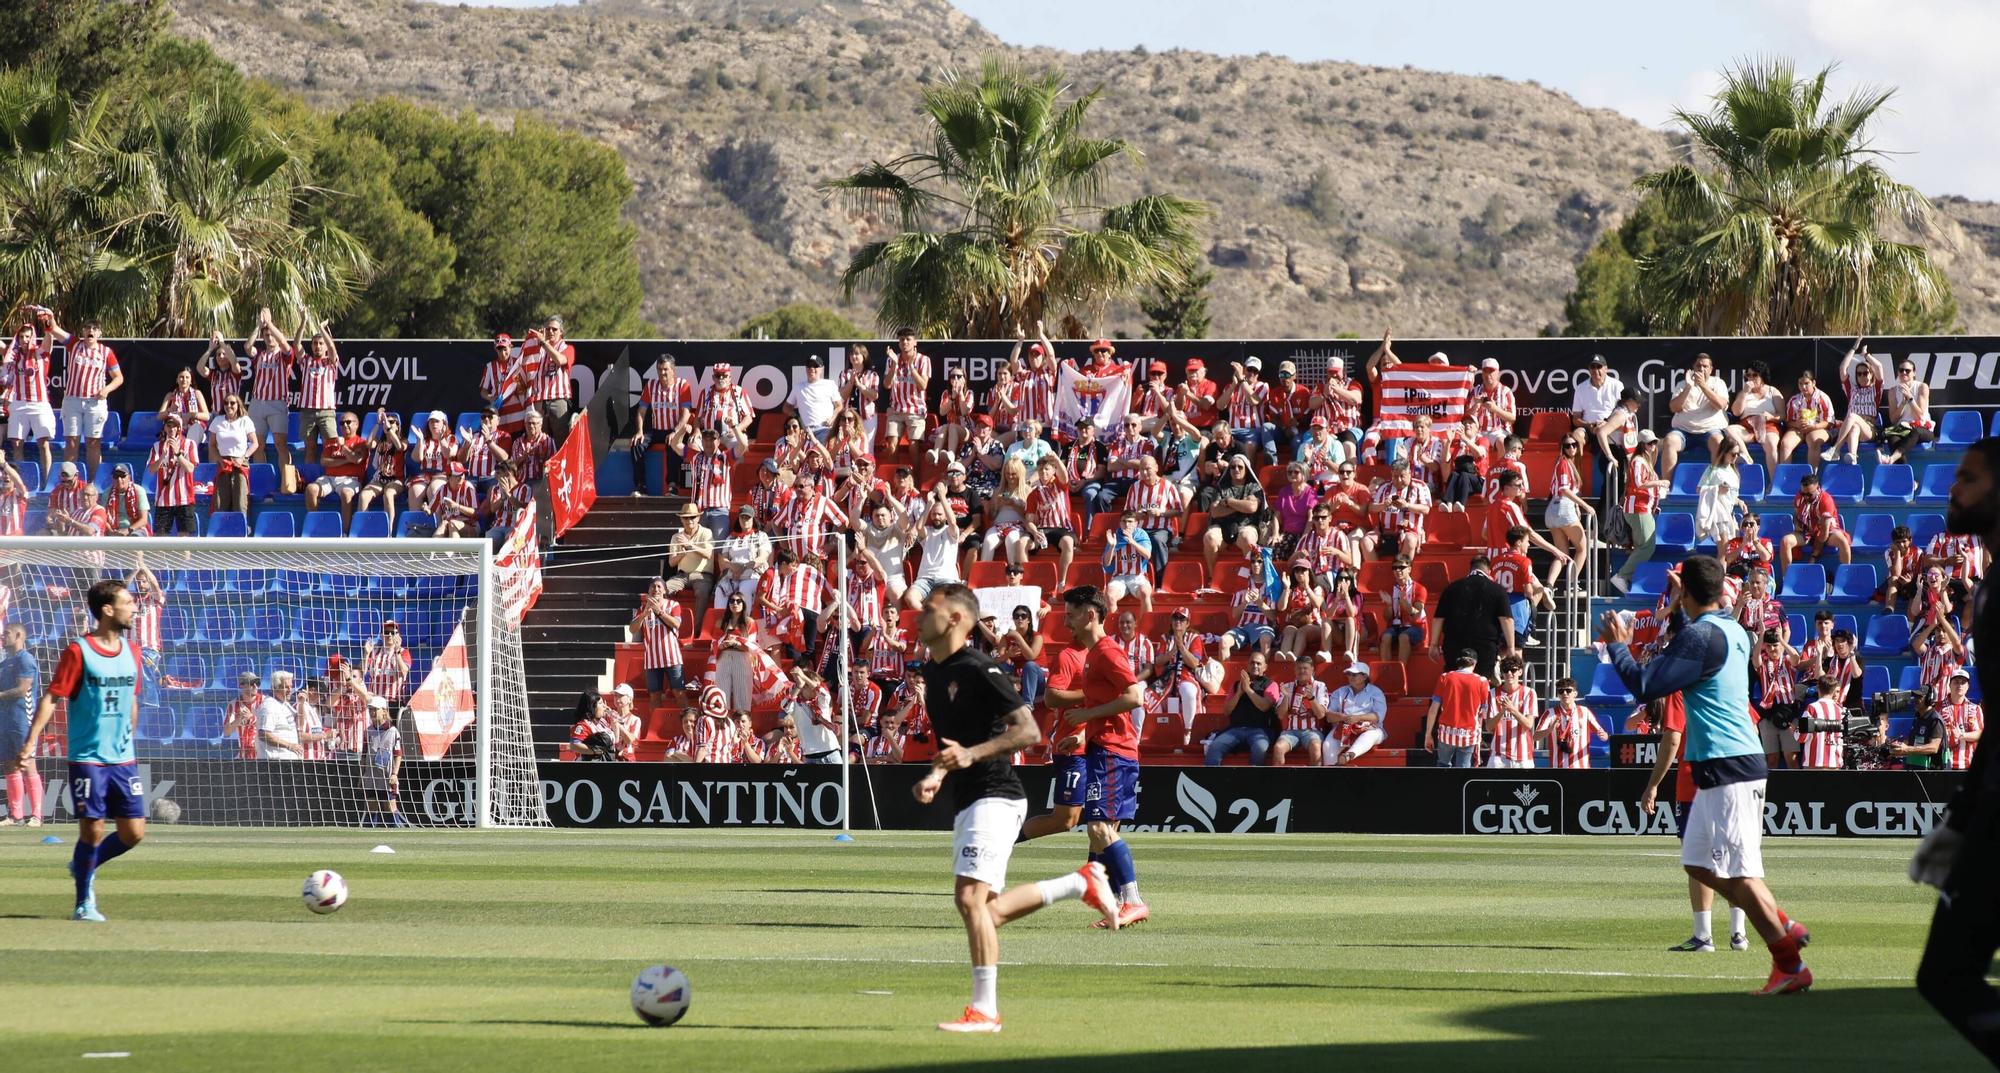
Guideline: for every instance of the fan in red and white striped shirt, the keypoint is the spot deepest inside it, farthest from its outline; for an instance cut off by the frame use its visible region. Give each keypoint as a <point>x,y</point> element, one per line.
<point>1038,388</point>
<point>27,367</point>
<point>319,374</point>
<point>708,472</point>
<point>1961,557</point>
<point>1964,724</point>
<point>659,623</point>
<point>150,602</point>
<point>1940,654</point>
<point>172,461</point>
<point>1824,748</point>
<point>1398,507</point>
<point>715,739</point>
<point>1569,726</point>
<point>1510,716</point>
<point>90,366</point>
<point>1140,650</point>
<point>271,374</point>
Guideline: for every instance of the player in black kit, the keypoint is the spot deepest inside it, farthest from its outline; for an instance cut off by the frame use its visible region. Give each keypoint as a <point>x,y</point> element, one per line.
<point>980,722</point>
<point>1961,855</point>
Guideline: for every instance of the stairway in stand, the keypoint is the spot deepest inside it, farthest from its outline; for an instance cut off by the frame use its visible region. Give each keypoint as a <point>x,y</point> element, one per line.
<point>589,590</point>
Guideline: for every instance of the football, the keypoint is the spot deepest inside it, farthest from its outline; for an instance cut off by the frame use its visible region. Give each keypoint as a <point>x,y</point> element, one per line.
<point>660,995</point>
<point>325,892</point>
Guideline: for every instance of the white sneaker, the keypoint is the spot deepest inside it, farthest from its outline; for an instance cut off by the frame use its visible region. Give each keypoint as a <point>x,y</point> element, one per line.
<point>1623,586</point>
<point>1739,941</point>
<point>1830,455</point>
<point>1098,895</point>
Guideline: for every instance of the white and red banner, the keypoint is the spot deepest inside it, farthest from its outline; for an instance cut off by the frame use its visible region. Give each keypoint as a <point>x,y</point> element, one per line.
<point>572,477</point>
<point>1100,400</point>
<point>518,568</point>
<point>445,704</point>
<point>1410,389</point>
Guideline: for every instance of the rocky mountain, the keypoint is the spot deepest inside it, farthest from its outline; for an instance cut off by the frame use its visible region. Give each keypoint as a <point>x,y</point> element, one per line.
<point>1347,198</point>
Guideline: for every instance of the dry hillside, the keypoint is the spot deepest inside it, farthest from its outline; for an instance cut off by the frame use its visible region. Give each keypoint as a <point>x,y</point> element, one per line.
<point>1447,204</point>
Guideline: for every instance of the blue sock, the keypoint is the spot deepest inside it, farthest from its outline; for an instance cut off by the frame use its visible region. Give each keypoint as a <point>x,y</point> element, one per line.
<point>112,846</point>
<point>1118,864</point>
<point>83,863</point>
<point>1096,858</point>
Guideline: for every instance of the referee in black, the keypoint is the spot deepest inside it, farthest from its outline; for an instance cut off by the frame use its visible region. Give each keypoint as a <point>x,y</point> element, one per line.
<point>1961,856</point>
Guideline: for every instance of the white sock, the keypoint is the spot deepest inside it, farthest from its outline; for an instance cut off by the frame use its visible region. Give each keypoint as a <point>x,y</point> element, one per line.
<point>1060,888</point>
<point>1736,922</point>
<point>986,989</point>
<point>1701,926</point>
<point>1129,894</point>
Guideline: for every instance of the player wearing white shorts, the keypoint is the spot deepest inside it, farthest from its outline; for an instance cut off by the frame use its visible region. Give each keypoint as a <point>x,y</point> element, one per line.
<point>980,721</point>
<point>1708,663</point>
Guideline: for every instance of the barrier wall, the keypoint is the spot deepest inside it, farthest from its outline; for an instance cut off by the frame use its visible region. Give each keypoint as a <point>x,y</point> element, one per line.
<point>1229,800</point>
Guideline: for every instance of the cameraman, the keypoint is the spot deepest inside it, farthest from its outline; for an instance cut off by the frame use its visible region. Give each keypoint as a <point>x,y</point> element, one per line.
<point>1925,749</point>
<point>1945,734</point>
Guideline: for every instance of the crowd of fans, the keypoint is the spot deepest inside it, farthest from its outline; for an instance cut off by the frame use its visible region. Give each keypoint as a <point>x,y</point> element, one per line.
<point>1201,480</point>
<point>1270,503</point>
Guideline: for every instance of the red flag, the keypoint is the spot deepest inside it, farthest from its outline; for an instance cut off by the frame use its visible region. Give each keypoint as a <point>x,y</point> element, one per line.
<point>572,478</point>
<point>518,568</point>
<point>445,704</point>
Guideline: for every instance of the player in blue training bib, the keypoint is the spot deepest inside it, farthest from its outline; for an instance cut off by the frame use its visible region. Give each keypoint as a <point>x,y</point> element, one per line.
<point>99,675</point>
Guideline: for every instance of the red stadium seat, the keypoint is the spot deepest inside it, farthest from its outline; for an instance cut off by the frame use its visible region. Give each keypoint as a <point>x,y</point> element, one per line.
<point>1432,575</point>
<point>1421,675</point>
<point>988,575</point>
<point>1182,577</point>
<point>1100,529</point>
<point>1451,529</point>
<point>1389,678</point>
<point>1548,427</point>
<point>1040,573</point>
<point>1197,524</point>
<point>1378,575</point>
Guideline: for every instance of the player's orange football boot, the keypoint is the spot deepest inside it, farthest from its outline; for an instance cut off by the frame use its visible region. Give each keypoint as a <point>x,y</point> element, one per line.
<point>1786,983</point>
<point>1097,893</point>
<point>971,1021</point>
<point>1128,915</point>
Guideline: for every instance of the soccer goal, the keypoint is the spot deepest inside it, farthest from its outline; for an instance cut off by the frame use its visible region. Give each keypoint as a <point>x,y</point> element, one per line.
<point>262,661</point>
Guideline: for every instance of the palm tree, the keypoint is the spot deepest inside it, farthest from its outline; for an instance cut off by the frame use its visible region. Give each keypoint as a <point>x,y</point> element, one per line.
<point>999,221</point>
<point>201,225</point>
<point>47,190</point>
<point>1791,207</point>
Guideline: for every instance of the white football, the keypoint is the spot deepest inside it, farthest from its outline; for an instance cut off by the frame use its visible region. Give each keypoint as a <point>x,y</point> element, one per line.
<point>325,891</point>
<point>660,995</point>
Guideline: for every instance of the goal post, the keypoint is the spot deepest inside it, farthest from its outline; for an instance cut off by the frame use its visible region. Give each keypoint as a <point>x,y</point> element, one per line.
<point>263,659</point>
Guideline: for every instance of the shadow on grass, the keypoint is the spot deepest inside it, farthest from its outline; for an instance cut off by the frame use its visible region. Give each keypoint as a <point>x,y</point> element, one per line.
<point>845,890</point>
<point>616,1025</point>
<point>1875,1029</point>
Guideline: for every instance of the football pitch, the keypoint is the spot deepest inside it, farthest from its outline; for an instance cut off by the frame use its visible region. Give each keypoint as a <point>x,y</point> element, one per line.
<point>514,950</point>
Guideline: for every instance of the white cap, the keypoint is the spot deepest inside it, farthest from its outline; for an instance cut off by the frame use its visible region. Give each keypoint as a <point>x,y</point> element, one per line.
<point>438,415</point>
<point>1490,363</point>
<point>378,702</point>
<point>1357,667</point>
<point>623,690</point>
<point>1253,362</point>
<point>1439,358</point>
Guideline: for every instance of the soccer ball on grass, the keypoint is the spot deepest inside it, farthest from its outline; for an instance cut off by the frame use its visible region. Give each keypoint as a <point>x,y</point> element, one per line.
<point>660,995</point>
<point>325,891</point>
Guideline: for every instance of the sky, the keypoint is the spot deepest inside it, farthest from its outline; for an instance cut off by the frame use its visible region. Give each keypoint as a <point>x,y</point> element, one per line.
<point>1642,59</point>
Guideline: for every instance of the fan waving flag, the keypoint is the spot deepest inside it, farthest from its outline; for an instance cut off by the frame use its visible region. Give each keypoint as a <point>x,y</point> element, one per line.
<point>1100,400</point>
<point>444,705</point>
<point>1408,390</point>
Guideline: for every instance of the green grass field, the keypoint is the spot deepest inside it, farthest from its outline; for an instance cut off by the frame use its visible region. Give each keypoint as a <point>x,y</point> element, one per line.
<point>514,950</point>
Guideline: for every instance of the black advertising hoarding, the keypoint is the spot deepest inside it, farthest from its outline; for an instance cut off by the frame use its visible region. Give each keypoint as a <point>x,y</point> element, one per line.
<point>407,376</point>
<point>1228,800</point>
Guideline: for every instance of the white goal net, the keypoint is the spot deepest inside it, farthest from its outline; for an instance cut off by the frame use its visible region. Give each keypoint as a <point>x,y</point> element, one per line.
<point>266,661</point>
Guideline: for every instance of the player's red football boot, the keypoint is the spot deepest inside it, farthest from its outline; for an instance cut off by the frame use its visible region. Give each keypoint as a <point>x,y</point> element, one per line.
<point>1128,915</point>
<point>1786,983</point>
<point>1097,893</point>
<point>971,1021</point>
<point>1796,930</point>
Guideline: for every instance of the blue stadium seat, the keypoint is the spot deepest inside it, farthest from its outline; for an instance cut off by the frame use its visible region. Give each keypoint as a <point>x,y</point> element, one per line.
<point>322,523</point>
<point>1795,629</point>
<point>315,624</point>
<point>1785,482</point>
<point>265,625</point>
<point>1775,526</point>
<point>249,582</point>
<point>1650,580</point>
<point>176,625</point>
<point>1936,484</point>
<point>614,476</point>
<point>1804,583</point>
<point>1607,690</point>
<point>1752,477</point>
<point>263,481</point>
<point>114,429</point>
<point>1842,481</point>
<point>432,588</point>
<point>467,424</point>
<point>217,624</point>
<point>224,668</point>
<point>413,519</point>
<point>301,673</point>
<point>1853,583</point>
<point>293,438</point>
<point>1673,534</point>
<point>1871,533</point>
<point>1896,481</point>
<point>1960,429</point>
<point>1845,621</point>
<point>1996,424</point>
<point>101,477</point>
<point>369,523</point>
<point>1910,677</point>
<point>157,723</point>
<point>142,433</point>
<point>1687,480</point>
<point>369,423</point>
<point>201,723</point>
<point>35,520</point>
<point>50,478</point>
<point>31,475</point>
<point>204,476</point>
<point>1888,636</point>
<point>277,523</point>
<point>339,586</point>
<point>1874,679</point>
<point>1923,527</point>
<point>361,622</point>
<point>228,523</point>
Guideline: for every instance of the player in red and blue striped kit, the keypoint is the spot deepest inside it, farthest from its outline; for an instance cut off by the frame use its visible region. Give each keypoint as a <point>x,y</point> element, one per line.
<point>99,674</point>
